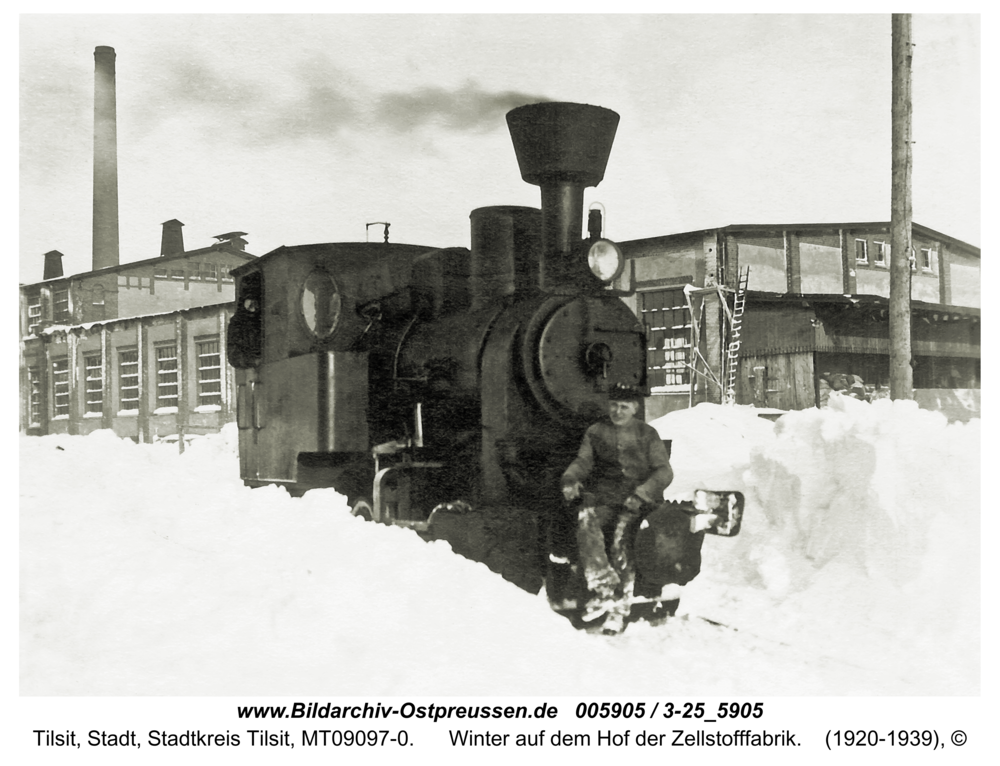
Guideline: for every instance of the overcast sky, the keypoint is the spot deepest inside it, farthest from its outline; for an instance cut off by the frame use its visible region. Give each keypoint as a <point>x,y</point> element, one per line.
<point>300,129</point>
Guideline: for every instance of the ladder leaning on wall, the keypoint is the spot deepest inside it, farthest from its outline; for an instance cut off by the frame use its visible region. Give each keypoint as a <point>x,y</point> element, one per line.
<point>731,330</point>
<point>731,360</point>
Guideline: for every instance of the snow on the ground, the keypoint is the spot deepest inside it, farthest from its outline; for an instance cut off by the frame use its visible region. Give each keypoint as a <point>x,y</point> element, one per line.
<point>861,537</point>
<point>146,572</point>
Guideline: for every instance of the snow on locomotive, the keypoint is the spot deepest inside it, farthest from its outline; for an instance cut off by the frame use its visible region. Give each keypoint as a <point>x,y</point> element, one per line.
<point>447,389</point>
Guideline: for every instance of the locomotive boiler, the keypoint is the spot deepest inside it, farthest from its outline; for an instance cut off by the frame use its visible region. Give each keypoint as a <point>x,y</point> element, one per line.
<point>447,389</point>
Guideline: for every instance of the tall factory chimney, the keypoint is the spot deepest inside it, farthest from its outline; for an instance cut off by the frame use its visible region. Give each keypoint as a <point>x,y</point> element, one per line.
<point>105,248</point>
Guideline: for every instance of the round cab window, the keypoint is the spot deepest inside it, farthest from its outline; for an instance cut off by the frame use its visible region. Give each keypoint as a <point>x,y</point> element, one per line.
<point>320,303</point>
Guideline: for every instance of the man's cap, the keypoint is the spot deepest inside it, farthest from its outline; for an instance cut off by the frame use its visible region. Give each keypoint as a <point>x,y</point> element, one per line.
<point>623,393</point>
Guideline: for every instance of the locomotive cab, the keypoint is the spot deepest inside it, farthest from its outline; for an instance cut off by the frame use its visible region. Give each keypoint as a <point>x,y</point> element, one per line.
<point>307,320</point>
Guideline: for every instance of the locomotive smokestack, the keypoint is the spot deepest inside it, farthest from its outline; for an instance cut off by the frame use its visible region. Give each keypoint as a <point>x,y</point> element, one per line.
<point>105,242</point>
<point>562,148</point>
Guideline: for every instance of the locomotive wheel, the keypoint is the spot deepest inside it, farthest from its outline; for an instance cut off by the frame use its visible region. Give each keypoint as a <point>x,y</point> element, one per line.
<point>362,508</point>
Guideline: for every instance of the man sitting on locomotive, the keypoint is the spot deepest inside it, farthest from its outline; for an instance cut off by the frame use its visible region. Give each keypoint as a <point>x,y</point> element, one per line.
<point>626,468</point>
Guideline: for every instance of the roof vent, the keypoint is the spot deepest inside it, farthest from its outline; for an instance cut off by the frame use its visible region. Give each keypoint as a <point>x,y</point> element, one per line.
<point>233,239</point>
<point>53,265</point>
<point>172,240</point>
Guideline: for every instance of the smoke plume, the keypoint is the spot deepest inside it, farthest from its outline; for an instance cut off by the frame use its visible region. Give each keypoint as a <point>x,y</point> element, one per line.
<point>467,108</point>
<point>314,99</point>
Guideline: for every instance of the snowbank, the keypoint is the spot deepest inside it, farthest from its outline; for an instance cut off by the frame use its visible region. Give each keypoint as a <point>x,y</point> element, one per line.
<point>861,534</point>
<point>148,572</point>
<point>711,446</point>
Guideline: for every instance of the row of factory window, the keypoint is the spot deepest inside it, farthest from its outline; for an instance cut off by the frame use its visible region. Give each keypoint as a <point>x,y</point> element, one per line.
<point>61,313</point>
<point>205,272</point>
<point>60,309</point>
<point>926,261</point>
<point>167,380</point>
<point>667,318</point>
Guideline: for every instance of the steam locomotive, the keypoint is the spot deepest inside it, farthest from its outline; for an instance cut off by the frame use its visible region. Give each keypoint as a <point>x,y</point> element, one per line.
<point>446,390</point>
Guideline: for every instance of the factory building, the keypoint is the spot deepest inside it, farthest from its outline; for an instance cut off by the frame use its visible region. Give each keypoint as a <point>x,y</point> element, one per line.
<point>135,347</point>
<point>776,315</point>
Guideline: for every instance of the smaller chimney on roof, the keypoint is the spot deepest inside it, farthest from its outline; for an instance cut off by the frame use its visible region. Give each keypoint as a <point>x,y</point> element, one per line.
<point>233,239</point>
<point>53,265</point>
<point>172,241</point>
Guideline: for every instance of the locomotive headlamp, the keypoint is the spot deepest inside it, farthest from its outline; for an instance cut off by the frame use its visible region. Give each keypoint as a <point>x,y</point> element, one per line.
<point>605,260</point>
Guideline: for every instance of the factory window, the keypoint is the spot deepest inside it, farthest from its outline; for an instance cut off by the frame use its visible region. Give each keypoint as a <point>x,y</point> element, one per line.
<point>881,253</point>
<point>861,250</point>
<point>209,372</point>
<point>128,379</point>
<point>227,275</point>
<point>161,272</point>
<point>97,303</point>
<point>94,390</point>
<point>665,313</point>
<point>166,376</point>
<point>177,273</point>
<point>34,313</point>
<point>210,272</point>
<point>927,259</point>
<point>60,387</point>
<point>34,396</point>
<point>60,306</point>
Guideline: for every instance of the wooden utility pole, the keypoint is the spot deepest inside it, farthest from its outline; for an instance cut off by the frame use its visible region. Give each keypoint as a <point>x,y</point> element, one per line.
<point>900,353</point>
